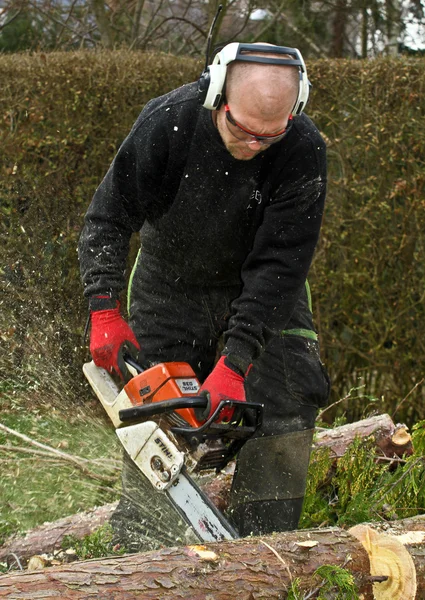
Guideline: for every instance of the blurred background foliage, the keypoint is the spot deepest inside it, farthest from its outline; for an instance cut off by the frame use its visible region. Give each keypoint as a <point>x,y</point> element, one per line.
<point>320,28</point>
<point>63,116</point>
<point>368,276</point>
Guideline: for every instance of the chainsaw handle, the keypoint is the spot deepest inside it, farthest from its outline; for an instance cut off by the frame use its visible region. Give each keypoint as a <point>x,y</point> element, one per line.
<point>252,406</point>
<point>159,408</point>
<point>133,363</point>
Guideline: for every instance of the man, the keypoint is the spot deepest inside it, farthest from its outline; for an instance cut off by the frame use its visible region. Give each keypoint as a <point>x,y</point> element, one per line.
<point>225,179</point>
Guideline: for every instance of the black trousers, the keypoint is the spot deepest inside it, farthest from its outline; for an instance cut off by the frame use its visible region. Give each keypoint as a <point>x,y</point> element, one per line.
<point>174,321</point>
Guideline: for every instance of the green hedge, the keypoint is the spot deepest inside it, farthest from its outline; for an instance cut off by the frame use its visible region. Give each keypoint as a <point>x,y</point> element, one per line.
<point>368,275</point>
<point>63,117</point>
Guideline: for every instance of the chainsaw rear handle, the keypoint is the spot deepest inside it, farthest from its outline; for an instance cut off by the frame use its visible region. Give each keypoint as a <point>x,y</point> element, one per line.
<point>132,363</point>
<point>159,408</point>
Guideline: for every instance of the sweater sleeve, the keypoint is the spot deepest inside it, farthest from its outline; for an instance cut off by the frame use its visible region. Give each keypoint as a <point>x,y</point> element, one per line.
<point>126,196</point>
<point>275,271</point>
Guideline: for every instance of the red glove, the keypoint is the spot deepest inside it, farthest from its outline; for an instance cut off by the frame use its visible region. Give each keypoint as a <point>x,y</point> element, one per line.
<point>111,337</point>
<point>224,383</point>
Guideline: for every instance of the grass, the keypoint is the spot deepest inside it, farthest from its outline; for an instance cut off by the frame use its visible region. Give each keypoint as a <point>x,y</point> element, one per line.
<point>331,582</point>
<point>37,486</point>
<point>96,545</point>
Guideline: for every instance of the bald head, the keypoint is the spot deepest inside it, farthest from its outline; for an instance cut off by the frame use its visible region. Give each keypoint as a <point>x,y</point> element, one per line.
<point>271,88</point>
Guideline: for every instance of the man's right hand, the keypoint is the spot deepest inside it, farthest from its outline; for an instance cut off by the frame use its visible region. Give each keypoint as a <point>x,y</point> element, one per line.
<point>110,339</point>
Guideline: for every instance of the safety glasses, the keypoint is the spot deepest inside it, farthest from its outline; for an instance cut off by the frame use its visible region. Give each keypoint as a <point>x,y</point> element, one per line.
<point>245,135</point>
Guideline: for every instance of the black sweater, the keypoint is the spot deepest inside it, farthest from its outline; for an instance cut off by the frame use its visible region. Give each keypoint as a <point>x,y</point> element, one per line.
<point>213,219</point>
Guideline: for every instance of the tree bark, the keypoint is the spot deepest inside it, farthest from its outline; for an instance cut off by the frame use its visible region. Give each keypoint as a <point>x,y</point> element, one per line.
<point>339,23</point>
<point>248,568</point>
<point>102,21</point>
<point>387,561</point>
<point>393,26</point>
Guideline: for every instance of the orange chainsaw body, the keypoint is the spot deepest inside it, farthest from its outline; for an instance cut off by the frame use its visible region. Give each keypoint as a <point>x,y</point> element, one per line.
<point>163,382</point>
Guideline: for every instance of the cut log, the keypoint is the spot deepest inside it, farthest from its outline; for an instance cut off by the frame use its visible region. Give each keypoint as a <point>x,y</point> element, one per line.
<point>387,562</point>
<point>392,440</point>
<point>246,569</point>
<point>404,544</point>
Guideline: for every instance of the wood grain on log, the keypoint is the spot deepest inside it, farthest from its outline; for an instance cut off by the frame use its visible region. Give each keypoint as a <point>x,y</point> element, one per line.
<point>390,559</point>
<point>260,568</point>
<point>408,534</point>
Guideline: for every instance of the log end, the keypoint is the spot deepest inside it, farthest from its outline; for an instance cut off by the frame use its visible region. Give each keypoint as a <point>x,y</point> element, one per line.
<point>401,437</point>
<point>390,560</point>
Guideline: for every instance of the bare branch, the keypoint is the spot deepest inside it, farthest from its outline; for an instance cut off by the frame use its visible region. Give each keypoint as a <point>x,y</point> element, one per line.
<point>294,28</point>
<point>15,16</point>
<point>65,22</point>
<point>49,15</point>
<point>137,18</point>
<point>76,461</point>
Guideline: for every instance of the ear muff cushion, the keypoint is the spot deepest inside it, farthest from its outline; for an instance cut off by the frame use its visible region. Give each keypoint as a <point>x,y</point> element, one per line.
<point>203,85</point>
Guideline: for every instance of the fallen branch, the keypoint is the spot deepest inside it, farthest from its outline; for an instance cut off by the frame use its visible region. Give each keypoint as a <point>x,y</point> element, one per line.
<point>391,440</point>
<point>22,450</point>
<point>47,538</point>
<point>76,461</point>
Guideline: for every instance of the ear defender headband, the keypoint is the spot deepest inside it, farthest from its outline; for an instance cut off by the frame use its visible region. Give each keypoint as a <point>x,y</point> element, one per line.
<point>211,84</point>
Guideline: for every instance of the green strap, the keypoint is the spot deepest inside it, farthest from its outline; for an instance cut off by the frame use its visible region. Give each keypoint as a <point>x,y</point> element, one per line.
<point>307,333</point>
<point>308,291</point>
<point>130,281</point>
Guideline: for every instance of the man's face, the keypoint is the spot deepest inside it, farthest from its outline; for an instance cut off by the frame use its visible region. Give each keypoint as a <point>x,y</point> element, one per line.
<point>240,125</point>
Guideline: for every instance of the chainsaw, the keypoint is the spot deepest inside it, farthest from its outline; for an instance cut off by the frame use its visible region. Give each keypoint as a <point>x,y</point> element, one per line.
<point>161,423</point>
